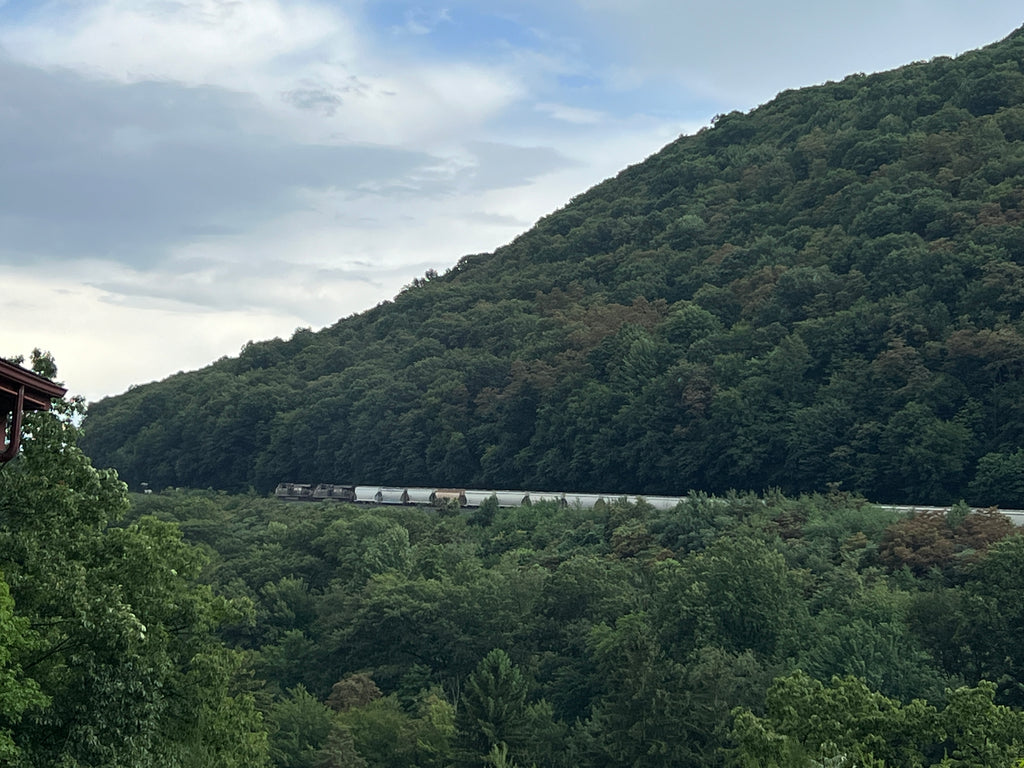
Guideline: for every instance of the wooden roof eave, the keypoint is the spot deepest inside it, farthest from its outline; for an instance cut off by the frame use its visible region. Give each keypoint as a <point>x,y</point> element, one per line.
<point>20,391</point>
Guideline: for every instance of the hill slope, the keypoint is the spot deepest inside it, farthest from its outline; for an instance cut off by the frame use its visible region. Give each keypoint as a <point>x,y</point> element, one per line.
<point>827,289</point>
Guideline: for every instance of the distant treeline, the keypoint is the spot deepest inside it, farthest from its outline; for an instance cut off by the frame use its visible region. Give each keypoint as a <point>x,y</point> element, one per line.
<point>827,290</point>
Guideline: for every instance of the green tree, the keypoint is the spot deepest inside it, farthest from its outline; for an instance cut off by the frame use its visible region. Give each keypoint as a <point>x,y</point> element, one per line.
<point>339,751</point>
<point>18,692</point>
<point>999,480</point>
<point>124,664</point>
<point>738,594</point>
<point>384,735</point>
<point>990,620</point>
<point>846,724</point>
<point>642,719</point>
<point>493,709</point>
<point>981,732</point>
<point>807,723</point>
<point>299,726</point>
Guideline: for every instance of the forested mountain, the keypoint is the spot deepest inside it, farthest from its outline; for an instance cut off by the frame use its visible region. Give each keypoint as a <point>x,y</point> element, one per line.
<point>827,289</point>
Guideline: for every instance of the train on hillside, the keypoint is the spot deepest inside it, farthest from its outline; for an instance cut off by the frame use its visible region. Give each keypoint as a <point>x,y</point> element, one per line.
<point>463,497</point>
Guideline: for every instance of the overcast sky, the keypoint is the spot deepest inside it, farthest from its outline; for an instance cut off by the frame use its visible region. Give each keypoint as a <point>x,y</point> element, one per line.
<point>182,176</point>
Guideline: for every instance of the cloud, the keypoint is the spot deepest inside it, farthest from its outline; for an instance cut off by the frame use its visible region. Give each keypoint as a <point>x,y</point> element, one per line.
<point>742,52</point>
<point>208,42</point>
<point>94,168</point>
<point>129,171</point>
<point>423,21</point>
<point>101,348</point>
<point>290,56</point>
<point>325,99</point>
<point>503,165</point>
<point>340,249</point>
<point>575,115</point>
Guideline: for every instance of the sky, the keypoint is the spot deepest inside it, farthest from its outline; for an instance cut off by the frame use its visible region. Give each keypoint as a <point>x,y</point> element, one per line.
<point>179,177</point>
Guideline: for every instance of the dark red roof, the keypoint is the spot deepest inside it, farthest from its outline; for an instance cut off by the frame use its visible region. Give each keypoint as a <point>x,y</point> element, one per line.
<point>38,391</point>
<point>20,391</point>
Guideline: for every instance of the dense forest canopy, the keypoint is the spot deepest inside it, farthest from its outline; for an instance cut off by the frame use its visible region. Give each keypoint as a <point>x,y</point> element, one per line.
<point>192,629</point>
<point>825,290</point>
<point>735,632</point>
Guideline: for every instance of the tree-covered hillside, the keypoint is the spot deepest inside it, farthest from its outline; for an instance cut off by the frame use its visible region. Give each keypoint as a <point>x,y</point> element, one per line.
<point>827,289</point>
<point>192,629</point>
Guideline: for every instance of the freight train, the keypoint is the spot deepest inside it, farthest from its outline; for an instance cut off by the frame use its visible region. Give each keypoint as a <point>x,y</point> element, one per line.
<point>462,497</point>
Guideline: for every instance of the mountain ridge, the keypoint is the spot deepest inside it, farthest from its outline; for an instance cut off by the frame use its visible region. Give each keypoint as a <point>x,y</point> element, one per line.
<point>824,290</point>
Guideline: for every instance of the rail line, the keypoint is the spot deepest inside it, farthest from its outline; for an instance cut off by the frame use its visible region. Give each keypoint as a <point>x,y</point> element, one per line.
<point>467,497</point>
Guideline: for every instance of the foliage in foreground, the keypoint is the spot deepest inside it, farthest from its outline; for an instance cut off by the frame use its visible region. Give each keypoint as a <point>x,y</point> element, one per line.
<point>108,647</point>
<point>739,632</point>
